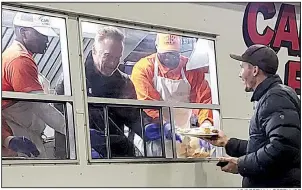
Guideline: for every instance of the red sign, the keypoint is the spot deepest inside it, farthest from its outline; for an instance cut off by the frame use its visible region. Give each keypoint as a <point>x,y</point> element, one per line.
<point>285,34</point>
<point>293,75</point>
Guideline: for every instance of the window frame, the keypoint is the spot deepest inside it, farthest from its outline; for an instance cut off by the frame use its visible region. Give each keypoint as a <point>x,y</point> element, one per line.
<point>49,97</point>
<point>79,99</point>
<point>129,102</point>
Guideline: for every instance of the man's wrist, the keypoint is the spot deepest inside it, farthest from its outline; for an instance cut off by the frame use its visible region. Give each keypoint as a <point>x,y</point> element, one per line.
<point>240,164</point>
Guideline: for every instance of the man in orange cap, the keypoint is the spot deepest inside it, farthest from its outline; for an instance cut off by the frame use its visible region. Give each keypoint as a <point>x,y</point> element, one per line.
<point>163,76</point>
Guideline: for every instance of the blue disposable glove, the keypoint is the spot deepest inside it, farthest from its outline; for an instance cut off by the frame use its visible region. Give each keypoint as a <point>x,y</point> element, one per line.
<point>204,144</point>
<point>95,154</point>
<point>23,145</point>
<point>168,133</point>
<point>153,132</point>
<point>97,139</point>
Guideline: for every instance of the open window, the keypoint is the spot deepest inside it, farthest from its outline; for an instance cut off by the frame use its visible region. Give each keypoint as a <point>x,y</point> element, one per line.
<point>142,86</point>
<point>37,101</point>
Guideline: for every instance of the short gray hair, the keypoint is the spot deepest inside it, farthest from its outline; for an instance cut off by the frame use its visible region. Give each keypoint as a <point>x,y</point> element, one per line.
<point>109,32</point>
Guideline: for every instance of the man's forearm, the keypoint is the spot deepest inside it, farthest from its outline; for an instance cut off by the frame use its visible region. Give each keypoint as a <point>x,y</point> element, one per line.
<point>51,116</point>
<point>236,147</point>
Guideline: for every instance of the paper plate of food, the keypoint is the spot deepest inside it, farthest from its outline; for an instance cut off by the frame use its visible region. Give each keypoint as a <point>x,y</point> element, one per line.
<point>197,132</point>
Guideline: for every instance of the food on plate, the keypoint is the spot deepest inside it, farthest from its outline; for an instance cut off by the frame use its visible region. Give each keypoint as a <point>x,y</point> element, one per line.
<point>207,130</point>
<point>195,131</point>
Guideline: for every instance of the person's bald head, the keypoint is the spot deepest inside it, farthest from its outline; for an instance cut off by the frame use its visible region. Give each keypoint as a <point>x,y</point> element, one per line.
<point>108,49</point>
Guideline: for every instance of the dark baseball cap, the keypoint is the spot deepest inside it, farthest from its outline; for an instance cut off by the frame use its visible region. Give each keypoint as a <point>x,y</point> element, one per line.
<point>260,55</point>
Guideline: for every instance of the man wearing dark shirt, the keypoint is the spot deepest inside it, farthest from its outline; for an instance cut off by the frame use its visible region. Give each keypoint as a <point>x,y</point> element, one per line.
<point>103,79</point>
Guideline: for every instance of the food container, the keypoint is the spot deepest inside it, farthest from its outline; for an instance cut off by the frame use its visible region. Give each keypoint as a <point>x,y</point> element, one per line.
<point>193,147</point>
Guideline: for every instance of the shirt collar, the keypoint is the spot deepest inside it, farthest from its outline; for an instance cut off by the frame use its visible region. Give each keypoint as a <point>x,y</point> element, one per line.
<point>22,47</point>
<point>263,87</point>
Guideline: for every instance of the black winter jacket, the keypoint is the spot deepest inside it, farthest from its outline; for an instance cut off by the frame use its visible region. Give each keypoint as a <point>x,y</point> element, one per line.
<point>271,157</point>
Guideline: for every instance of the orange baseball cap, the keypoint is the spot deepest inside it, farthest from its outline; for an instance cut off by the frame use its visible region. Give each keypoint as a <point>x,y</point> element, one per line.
<point>167,43</point>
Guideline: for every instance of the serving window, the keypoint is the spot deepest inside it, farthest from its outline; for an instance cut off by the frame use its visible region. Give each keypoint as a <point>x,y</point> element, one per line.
<point>134,89</point>
<point>37,120</point>
<point>142,87</point>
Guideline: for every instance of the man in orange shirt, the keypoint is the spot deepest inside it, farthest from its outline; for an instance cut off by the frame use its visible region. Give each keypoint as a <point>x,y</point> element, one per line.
<point>20,74</point>
<point>163,76</point>
<point>151,77</point>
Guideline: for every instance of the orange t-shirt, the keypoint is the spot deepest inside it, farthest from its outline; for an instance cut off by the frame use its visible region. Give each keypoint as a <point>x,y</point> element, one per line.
<point>142,78</point>
<point>19,71</point>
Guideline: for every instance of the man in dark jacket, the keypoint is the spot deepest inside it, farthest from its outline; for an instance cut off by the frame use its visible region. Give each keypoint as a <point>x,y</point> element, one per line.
<point>271,157</point>
<point>103,79</point>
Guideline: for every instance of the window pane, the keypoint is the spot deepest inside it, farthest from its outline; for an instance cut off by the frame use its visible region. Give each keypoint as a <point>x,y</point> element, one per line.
<point>190,146</point>
<point>42,41</point>
<point>31,126</point>
<point>161,67</point>
<point>157,130</point>
<point>132,133</point>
